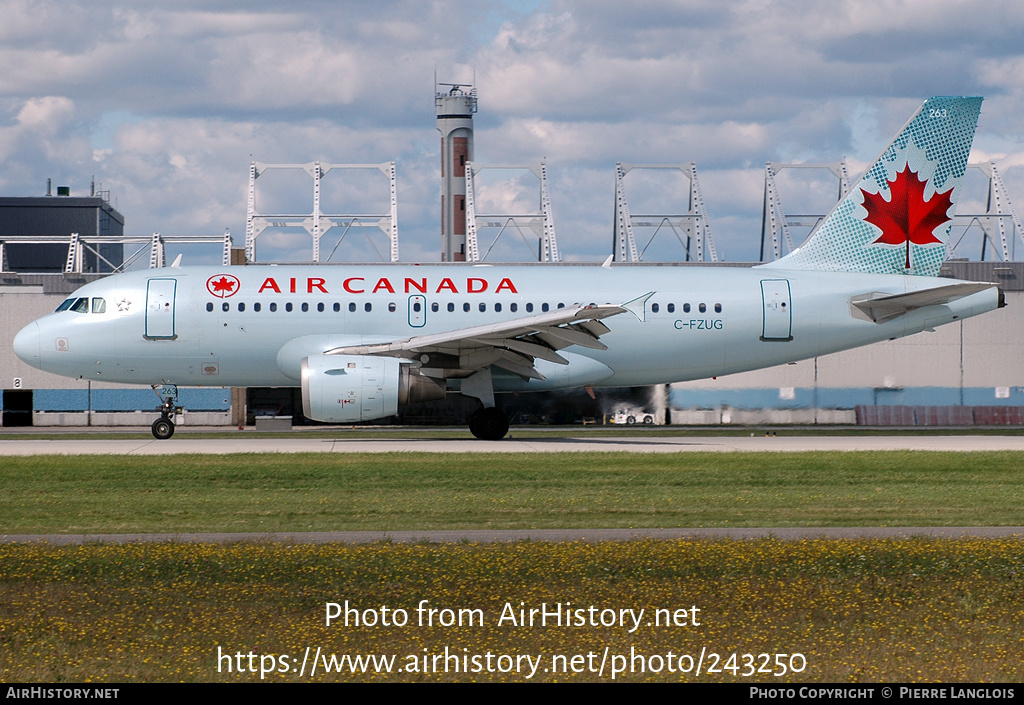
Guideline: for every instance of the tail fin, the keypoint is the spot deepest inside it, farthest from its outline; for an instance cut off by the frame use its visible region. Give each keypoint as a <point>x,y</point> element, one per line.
<point>896,220</point>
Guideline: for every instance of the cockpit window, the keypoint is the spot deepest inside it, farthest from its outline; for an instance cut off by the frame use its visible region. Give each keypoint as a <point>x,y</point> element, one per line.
<point>81,305</point>
<point>99,305</point>
<point>65,305</point>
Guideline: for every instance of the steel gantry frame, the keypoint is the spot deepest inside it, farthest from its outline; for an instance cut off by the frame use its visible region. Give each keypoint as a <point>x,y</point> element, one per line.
<point>698,245</point>
<point>318,223</point>
<point>998,222</point>
<point>775,222</point>
<point>999,216</point>
<point>541,223</point>
<point>78,246</point>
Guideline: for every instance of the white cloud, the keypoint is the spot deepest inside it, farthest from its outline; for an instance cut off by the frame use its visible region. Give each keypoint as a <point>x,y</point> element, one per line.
<point>167,104</point>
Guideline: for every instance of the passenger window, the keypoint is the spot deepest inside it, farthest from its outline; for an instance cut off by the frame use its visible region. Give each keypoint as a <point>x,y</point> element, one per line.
<point>671,308</point>
<point>225,306</point>
<point>368,307</point>
<point>544,308</point>
<point>718,308</point>
<point>529,308</point>
<point>209,307</point>
<point>337,307</point>
<point>241,307</point>
<point>288,307</point>
<point>273,306</point>
<point>99,305</point>
<point>483,307</point>
<point>352,306</point>
<point>434,307</point>
<point>702,308</point>
<point>497,307</point>
<point>686,308</point>
<point>81,306</point>
<point>513,307</point>
<point>65,305</point>
<point>654,308</point>
<point>417,307</point>
<point>465,307</point>
<point>451,307</point>
<point>305,308</point>
<point>392,307</point>
<point>256,307</point>
<point>320,308</point>
<point>561,305</point>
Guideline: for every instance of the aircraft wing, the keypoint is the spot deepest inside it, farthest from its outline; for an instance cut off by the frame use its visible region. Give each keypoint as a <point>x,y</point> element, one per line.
<point>512,345</point>
<point>880,308</point>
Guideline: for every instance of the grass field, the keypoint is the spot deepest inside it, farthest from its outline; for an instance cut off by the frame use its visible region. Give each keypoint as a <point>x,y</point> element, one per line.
<point>856,611</point>
<point>906,610</point>
<point>410,491</point>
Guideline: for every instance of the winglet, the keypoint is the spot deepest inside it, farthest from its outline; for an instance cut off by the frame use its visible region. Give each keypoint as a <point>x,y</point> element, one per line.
<point>608,262</point>
<point>638,306</point>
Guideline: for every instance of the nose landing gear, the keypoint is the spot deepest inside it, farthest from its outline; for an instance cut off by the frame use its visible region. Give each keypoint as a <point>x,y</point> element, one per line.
<point>163,427</point>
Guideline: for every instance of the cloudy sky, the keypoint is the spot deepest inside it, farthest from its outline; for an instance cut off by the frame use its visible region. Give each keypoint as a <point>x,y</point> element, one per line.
<point>167,103</point>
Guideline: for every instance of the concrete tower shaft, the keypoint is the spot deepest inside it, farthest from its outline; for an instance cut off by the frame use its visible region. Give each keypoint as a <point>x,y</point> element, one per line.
<point>455,108</point>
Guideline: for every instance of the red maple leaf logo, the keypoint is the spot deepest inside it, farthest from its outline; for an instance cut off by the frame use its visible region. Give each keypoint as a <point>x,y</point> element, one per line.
<point>907,217</point>
<point>222,285</point>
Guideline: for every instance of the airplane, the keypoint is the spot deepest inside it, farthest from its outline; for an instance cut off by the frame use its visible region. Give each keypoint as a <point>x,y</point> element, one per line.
<point>363,340</point>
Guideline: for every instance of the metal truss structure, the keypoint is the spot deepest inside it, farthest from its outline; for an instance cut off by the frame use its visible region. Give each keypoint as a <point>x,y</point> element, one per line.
<point>541,224</point>
<point>691,228</point>
<point>317,223</point>
<point>998,223</point>
<point>775,223</point>
<point>78,246</point>
<point>999,219</point>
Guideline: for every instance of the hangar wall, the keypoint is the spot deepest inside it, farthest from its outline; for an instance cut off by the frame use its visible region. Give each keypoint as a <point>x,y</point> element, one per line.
<point>977,363</point>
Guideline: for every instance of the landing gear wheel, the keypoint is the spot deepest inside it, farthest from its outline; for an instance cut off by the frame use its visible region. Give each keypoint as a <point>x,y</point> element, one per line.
<point>163,428</point>
<point>488,424</point>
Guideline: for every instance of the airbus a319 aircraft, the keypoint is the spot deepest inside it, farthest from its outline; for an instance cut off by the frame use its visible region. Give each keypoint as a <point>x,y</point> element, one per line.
<point>363,340</point>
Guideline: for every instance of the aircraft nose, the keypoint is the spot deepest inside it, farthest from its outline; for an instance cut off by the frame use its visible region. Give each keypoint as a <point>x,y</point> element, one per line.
<point>26,344</point>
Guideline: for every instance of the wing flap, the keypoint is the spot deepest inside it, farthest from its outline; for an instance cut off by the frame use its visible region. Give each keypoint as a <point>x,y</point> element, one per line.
<point>512,345</point>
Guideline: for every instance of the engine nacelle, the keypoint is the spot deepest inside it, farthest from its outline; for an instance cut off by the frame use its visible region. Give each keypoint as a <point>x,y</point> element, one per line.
<point>350,388</point>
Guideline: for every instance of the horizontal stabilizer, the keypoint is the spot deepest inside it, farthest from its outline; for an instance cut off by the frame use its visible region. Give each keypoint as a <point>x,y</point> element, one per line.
<point>879,308</point>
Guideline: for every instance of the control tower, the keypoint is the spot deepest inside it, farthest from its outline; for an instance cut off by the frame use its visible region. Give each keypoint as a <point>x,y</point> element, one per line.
<point>455,108</point>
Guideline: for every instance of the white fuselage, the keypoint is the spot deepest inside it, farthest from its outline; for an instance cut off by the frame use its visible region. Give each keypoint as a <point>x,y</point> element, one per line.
<point>252,325</point>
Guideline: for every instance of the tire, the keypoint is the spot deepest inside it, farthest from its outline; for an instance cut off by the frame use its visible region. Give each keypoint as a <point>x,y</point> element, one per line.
<point>630,419</point>
<point>163,428</point>
<point>488,424</point>
<point>648,419</point>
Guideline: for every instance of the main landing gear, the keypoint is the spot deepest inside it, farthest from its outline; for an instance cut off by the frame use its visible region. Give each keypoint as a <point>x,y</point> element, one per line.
<point>488,424</point>
<point>163,427</point>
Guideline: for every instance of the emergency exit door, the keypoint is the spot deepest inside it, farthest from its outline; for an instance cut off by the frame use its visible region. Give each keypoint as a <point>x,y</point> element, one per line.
<point>778,316</point>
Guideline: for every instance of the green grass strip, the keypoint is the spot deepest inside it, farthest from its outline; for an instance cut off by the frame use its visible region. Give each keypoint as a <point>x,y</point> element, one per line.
<point>416,491</point>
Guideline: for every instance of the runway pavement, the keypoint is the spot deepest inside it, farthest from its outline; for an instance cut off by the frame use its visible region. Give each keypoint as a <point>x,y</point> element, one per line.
<point>519,442</point>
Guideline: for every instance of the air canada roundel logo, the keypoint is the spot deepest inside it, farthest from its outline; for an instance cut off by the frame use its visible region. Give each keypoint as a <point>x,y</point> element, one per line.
<point>222,285</point>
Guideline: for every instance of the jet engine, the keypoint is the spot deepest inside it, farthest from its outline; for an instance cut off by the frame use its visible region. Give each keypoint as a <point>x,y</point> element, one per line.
<point>350,388</point>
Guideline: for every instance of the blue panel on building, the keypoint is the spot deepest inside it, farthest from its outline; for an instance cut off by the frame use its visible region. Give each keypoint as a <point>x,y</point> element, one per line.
<point>204,399</point>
